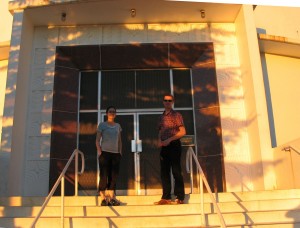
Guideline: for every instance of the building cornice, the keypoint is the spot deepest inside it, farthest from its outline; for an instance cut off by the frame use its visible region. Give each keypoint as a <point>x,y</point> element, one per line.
<point>279,45</point>
<point>76,12</point>
<point>22,4</point>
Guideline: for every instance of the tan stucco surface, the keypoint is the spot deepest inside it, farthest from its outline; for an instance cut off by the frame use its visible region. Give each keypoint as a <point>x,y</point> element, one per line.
<point>285,96</point>
<point>278,21</point>
<point>36,151</point>
<point>250,161</point>
<point>5,22</point>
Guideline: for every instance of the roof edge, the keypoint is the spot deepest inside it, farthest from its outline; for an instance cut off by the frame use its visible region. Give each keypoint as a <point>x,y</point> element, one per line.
<point>281,39</point>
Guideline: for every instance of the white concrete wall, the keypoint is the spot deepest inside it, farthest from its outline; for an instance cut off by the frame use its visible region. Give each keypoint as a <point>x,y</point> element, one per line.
<point>278,21</point>
<point>284,88</point>
<point>5,22</point>
<point>282,79</point>
<point>40,111</point>
<point>16,103</point>
<point>250,162</point>
<point>233,118</point>
<point>283,82</point>
<point>261,156</point>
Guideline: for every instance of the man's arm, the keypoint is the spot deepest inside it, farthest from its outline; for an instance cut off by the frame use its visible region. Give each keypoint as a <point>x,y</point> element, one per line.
<point>159,139</point>
<point>120,143</point>
<point>179,134</point>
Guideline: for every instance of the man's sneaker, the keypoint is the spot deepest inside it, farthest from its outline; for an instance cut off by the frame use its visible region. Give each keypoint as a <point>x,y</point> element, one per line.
<point>163,202</point>
<point>103,202</point>
<point>178,201</point>
<point>114,202</point>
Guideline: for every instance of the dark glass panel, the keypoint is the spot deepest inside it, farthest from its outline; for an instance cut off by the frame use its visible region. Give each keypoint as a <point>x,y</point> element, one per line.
<point>208,129</point>
<point>65,89</point>
<point>63,143</point>
<point>188,121</point>
<point>117,89</point>
<point>210,149</point>
<point>190,54</point>
<point>151,86</point>
<point>150,169</point>
<point>63,57</point>
<point>87,139</point>
<point>88,90</point>
<point>212,167</point>
<point>86,57</point>
<point>126,178</point>
<point>182,88</point>
<point>205,87</point>
<point>134,56</point>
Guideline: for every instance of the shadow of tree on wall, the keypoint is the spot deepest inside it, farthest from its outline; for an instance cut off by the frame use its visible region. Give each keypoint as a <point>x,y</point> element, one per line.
<point>199,57</point>
<point>69,61</point>
<point>8,124</point>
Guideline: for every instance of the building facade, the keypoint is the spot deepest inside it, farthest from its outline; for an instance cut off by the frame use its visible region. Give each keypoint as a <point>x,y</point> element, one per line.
<point>233,75</point>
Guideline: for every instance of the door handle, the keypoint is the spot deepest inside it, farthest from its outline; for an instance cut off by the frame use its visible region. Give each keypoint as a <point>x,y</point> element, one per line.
<point>133,146</point>
<point>139,146</point>
<point>136,146</point>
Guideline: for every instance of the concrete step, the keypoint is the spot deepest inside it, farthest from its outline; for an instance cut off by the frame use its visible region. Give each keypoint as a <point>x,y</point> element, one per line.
<point>142,210</point>
<point>185,220</point>
<point>148,200</point>
<point>278,208</point>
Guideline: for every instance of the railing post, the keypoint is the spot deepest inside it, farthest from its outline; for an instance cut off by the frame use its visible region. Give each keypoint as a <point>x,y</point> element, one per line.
<point>62,201</point>
<point>203,180</point>
<point>61,180</point>
<point>191,172</point>
<point>202,201</point>
<point>76,173</point>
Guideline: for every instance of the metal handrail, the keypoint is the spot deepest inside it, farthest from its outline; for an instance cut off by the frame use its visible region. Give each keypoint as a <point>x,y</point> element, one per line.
<point>191,154</point>
<point>61,179</point>
<point>289,148</point>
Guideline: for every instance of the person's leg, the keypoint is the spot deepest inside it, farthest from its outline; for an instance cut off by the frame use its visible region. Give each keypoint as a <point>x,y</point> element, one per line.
<point>103,165</point>
<point>176,171</point>
<point>165,169</point>
<point>115,167</point>
<point>109,171</point>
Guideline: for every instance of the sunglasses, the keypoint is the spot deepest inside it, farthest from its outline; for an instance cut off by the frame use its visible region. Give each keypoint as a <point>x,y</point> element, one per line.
<point>168,100</point>
<point>111,111</point>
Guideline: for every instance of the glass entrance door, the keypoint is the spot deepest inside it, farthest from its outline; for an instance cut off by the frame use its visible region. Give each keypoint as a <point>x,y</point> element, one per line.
<point>149,156</point>
<point>137,95</point>
<point>139,168</point>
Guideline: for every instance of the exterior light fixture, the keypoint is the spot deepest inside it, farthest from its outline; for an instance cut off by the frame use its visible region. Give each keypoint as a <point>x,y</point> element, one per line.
<point>133,12</point>
<point>63,16</point>
<point>202,12</point>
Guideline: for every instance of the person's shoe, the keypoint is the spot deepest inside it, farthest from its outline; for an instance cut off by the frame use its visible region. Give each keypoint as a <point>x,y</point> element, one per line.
<point>178,201</point>
<point>163,202</point>
<point>104,203</point>
<point>114,202</point>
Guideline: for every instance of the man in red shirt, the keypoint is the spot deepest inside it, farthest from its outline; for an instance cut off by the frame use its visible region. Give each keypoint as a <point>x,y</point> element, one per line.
<point>171,129</point>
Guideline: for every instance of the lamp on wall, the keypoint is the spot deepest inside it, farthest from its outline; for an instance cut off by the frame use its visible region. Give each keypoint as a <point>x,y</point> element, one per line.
<point>202,12</point>
<point>63,16</point>
<point>133,12</point>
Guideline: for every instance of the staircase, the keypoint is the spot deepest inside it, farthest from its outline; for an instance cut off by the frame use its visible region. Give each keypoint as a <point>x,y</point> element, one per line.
<point>279,208</point>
